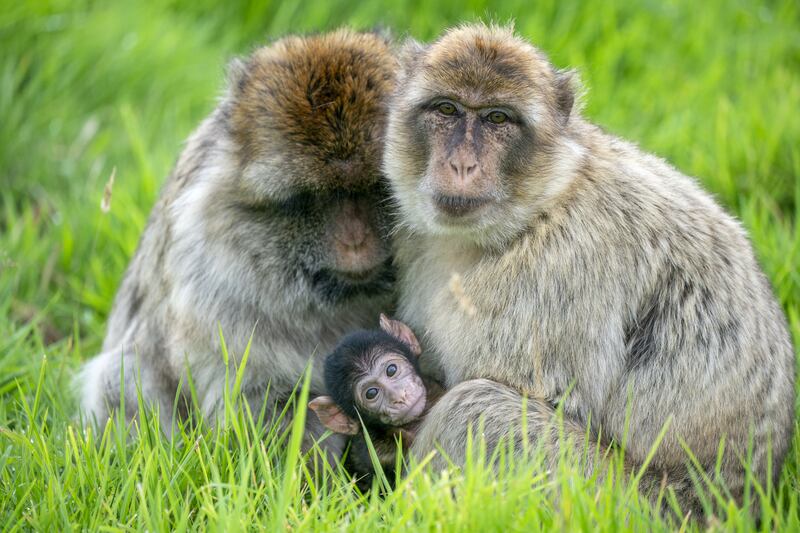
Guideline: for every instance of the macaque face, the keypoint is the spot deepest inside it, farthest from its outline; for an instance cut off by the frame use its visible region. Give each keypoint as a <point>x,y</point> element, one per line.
<point>470,144</point>
<point>308,195</point>
<point>339,240</point>
<point>475,136</point>
<point>391,390</point>
<point>472,154</point>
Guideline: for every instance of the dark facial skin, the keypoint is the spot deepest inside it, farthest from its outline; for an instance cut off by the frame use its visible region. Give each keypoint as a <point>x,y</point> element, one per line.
<point>340,241</point>
<point>471,145</point>
<point>391,391</point>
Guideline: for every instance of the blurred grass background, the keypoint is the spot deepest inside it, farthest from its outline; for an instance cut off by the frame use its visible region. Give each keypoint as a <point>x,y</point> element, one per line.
<point>89,86</point>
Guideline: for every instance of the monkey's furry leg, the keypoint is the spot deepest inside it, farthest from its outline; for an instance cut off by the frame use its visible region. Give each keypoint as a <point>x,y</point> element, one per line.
<point>496,411</point>
<point>116,376</point>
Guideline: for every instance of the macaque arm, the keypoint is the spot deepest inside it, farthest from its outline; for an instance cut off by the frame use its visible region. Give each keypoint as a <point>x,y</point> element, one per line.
<point>446,427</point>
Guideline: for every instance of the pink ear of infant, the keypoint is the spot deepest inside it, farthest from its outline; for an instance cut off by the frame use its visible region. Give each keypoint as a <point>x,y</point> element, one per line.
<point>401,332</point>
<point>332,417</point>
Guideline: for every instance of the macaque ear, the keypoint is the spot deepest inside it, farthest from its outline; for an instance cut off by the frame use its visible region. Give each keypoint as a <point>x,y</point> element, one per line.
<point>401,332</point>
<point>568,89</point>
<point>236,76</point>
<point>332,417</point>
<point>409,54</point>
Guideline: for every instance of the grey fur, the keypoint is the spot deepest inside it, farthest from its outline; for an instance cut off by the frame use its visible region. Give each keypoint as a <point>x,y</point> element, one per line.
<point>612,278</point>
<point>221,250</point>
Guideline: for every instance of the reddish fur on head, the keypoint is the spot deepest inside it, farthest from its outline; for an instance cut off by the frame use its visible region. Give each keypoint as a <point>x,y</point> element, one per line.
<point>321,98</point>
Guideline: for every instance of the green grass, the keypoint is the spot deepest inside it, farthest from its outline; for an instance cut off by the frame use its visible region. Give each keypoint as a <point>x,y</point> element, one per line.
<point>86,87</point>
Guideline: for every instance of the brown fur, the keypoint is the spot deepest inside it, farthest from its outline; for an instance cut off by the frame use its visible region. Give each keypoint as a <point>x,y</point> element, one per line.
<point>600,277</point>
<point>271,225</point>
<point>320,97</point>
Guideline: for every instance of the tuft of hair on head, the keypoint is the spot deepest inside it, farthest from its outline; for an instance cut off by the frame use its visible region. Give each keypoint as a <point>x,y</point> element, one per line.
<point>491,59</point>
<point>316,101</point>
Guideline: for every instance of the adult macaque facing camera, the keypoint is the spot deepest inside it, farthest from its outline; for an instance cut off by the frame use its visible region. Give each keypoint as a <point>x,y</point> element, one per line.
<point>595,275</point>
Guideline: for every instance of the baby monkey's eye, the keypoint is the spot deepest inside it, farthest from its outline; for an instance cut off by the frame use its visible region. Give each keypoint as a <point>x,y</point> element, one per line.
<point>391,370</point>
<point>371,393</point>
<point>446,108</point>
<point>497,117</point>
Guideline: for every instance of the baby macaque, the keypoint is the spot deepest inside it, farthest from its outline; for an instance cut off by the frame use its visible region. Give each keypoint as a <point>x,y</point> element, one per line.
<point>375,374</point>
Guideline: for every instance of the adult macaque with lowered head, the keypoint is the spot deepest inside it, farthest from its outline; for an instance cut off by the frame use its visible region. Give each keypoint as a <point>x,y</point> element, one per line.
<point>271,224</point>
<point>373,377</point>
<point>597,276</point>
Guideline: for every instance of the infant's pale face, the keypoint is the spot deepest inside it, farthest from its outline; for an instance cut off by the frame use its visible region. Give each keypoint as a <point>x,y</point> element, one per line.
<point>391,391</point>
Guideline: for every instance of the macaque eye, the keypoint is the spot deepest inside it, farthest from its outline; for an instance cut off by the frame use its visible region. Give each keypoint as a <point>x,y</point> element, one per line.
<point>446,108</point>
<point>497,117</point>
<point>297,204</point>
<point>371,393</point>
<point>391,370</point>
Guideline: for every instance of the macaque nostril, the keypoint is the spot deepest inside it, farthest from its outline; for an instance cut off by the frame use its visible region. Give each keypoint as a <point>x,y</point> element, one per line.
<point>463,169</point>
<point>354,234</point>
<point>353,228</point>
